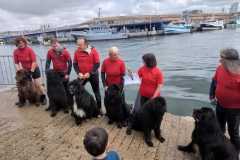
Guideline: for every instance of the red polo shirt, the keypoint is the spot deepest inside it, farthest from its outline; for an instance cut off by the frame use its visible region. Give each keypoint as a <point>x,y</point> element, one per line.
<point>26,56</point>
<point>228,88</point>
<point>113,70</point>
<point>59,61</point>
<point>150,79</point>
<point>86,60</point>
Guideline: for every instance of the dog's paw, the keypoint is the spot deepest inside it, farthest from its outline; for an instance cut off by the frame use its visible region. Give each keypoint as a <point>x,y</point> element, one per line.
<point>124,124</point>
<point>149,143</point>
<point>66,111</point>
<point>161,139</point>
<point>47,109</point>
<point>37,104</point>
<point>78,122</point>
<point>53,114</point>
<point>119,125</point>
<point>186,149</point>
<point>129,131</point>
<point>110,122</point>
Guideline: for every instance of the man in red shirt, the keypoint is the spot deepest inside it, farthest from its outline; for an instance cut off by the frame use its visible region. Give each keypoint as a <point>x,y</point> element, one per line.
<point>25,58</point>
<point>62,63</point>
<point>86,63</point>
<point>225,90</point>
<point>113,69</point>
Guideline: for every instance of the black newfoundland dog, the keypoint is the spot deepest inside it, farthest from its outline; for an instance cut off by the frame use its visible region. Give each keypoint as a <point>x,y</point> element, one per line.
<point>208,137</point>
<point>115,106</point>
<point>149,118</point>
<point>85,106</point>
<point>56,93</point>
<point>27,90</point>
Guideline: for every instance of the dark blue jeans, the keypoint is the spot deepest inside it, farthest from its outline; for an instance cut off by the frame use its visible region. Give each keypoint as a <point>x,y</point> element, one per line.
<point>231,117</point>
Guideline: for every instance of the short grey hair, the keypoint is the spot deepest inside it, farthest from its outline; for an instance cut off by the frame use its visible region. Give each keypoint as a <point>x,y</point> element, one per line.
<point>229,54</point>
<point>113,50</point>
<point>230,60</point>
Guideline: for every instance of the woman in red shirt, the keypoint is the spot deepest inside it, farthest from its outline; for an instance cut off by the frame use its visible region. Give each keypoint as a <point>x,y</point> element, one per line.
<point>225,90</point>
<point>25,58</point>
<point>151,78</point>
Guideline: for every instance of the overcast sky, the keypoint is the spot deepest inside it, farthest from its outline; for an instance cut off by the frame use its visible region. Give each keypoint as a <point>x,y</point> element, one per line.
<point>30,14</point>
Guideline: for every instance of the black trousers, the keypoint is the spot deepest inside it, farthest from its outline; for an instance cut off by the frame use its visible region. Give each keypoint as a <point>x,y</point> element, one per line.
<point>231,117</point>
<point>94,81</point>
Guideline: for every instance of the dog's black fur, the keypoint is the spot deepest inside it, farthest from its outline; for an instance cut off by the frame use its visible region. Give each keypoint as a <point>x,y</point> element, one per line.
<point>27,90</point>
<point>149,118</point>
<point>85,103</point>
<point>56,93</point>
<point>208,137</point>
<point>115,106</point>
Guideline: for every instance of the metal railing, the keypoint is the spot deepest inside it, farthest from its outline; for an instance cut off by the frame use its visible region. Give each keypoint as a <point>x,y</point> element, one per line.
<point>8,71</point>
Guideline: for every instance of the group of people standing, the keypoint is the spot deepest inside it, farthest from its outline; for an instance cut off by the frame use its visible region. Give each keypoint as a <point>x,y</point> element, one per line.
<point>225,87</point>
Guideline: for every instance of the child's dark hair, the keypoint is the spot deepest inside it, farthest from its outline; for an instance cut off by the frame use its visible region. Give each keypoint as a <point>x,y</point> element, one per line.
<point>149,60</point>
<point>95,141</point>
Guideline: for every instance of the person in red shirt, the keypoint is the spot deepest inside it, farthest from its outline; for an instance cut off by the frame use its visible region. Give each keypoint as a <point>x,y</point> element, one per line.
<point>86,63</point>
<point>25,58</point>
<point>62,63</point>
<point>113,69</point>
<point>151,78</point>
<point>112,72</point>
<point>225,91</point>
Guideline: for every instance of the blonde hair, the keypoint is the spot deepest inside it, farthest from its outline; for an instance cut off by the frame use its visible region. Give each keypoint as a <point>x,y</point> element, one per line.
<point>113,50</point>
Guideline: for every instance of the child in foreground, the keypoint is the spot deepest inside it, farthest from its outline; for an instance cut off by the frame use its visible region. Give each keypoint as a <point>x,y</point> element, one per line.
<point>95,142</point>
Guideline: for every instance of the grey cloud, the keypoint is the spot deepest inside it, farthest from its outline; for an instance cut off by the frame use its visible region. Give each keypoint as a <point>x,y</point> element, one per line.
<point>19,14</point>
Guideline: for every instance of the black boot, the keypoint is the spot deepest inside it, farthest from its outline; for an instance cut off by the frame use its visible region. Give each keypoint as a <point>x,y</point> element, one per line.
<point>43,99</point>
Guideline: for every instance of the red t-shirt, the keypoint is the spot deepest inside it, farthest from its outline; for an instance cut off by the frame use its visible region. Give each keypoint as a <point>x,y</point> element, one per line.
<point>113,70</point>
<point>86,60</point>
<point>228,88</point>
<point>150,79</point>
<point>59,61</point>
<point>26,56</point>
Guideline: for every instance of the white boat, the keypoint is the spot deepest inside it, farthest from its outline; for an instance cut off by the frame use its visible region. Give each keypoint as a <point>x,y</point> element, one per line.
<point>100,32</point>
<point>212,25</point>
<point>177,28</point>
<point>42,41</point>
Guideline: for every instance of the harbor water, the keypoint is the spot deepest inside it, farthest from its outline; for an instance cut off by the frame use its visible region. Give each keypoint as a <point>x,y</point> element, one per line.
<point>188,62</point>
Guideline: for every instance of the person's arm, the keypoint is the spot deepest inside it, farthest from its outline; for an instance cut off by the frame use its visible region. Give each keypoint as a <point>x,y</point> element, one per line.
<point>76,67</point>
<point>77,70</point>
<point>103,74</point>
<point>160,84</point>
<point>103,77</point>
<point>47,66</point>
<point>123,72</point>
<point>212,89</point>
<point>157,91</point>
<point>34,61</point>
<point>96,61</point>
<point>95,68</point>
<point>69,66</point>
<point>16,61</point>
